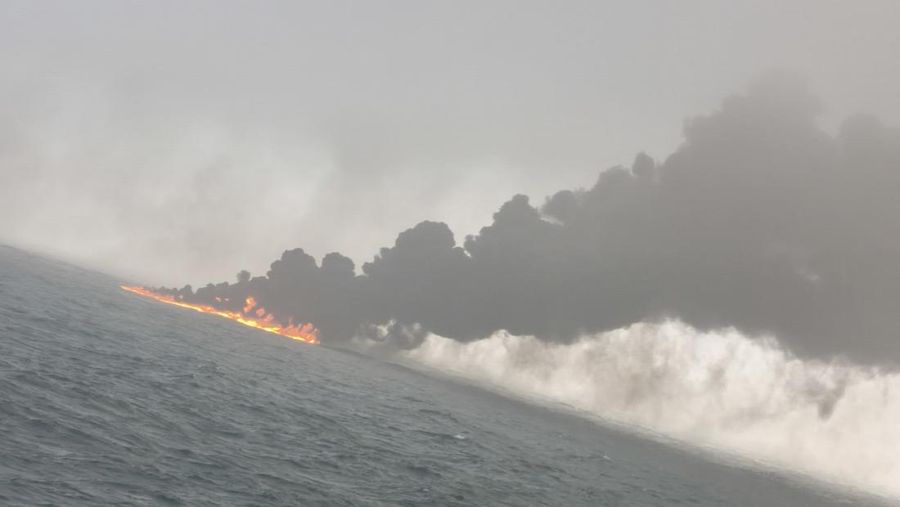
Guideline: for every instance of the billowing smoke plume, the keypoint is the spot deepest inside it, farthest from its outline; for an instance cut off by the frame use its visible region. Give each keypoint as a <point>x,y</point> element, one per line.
<point>760,220</point>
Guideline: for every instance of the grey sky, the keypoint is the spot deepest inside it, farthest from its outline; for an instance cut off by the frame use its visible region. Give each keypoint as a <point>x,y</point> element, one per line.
<point>181,142</point>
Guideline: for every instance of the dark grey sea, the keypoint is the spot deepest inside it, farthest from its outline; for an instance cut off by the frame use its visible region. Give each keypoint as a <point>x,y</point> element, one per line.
<point>110,399</point>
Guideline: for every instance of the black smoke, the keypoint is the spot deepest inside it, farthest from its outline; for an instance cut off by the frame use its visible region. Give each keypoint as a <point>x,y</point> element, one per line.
<point>760,220</point>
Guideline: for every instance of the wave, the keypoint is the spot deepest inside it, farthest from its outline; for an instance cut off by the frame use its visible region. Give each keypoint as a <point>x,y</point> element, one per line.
<point>747,396</point>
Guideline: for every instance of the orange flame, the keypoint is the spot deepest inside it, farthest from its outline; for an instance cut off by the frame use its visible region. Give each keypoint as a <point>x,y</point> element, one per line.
<point>259,319</point>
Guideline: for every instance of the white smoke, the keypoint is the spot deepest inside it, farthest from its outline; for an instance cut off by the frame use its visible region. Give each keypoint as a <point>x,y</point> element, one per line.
<point>836,422</point>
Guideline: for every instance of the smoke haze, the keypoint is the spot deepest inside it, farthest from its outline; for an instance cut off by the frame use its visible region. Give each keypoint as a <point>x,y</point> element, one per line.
<point>140,137</point>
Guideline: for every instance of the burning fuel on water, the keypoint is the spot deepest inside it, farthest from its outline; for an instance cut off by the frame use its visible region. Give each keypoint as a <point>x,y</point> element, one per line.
<point>603,253</point>
<point>252,316</point>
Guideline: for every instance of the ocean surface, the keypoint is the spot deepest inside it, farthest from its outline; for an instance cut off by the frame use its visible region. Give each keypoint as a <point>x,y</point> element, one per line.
<point>110,399</point>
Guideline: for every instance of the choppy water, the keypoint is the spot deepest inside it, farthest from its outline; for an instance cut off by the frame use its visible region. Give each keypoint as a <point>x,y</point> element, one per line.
<point>106,398</point>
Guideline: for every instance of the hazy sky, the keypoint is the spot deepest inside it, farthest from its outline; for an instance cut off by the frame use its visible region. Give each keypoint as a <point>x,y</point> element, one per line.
<point>181,141</point>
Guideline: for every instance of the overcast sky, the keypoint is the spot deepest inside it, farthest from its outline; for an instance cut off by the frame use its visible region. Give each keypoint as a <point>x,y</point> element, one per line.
<point>181,141</point>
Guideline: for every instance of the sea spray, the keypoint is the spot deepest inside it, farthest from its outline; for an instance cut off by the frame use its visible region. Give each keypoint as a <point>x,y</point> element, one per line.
<point>835,421</point>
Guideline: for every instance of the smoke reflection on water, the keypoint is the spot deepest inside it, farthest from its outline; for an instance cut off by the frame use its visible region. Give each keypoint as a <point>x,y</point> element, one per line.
<point>834,421</point>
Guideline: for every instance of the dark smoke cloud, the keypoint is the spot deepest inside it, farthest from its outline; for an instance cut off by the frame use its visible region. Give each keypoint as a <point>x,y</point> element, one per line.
<point>760,220</point>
